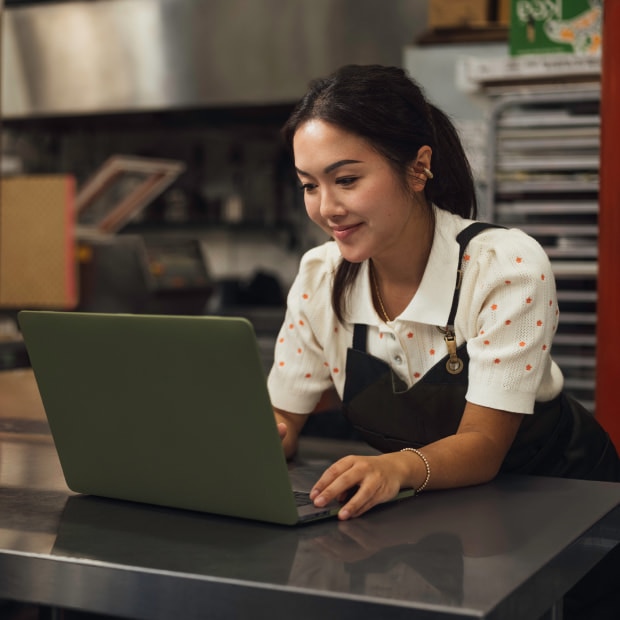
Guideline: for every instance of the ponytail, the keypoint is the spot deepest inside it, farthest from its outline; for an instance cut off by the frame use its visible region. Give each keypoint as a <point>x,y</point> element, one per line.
<point>452,187</point>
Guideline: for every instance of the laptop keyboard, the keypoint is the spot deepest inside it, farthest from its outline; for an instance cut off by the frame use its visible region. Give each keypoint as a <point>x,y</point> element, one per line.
<point>301,498</point>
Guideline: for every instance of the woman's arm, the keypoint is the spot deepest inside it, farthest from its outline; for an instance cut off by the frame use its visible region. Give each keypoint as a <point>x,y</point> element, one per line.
<point>477,451</point>
<point>472,456</point>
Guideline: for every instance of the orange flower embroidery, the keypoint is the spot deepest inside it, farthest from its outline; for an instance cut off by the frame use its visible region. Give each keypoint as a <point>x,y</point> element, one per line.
<point>522,344</point>
<point>416,375</point>
<point>336,370</point>
<point>494,307</point>
<point>432,352</point>
<point>508,322</point>
<point>519,259</point>
<point>291,326</point>
<point>539,323</point>
<point>410,335</point>
<point>466,257</point>
<point>299,351</point>
<point>496,360</point>
<point>482,332</point>
<point>308,375</point>
<point>326,364</point>
<point>507,282</point>
<point>528,367</point>
<point>544,347</point>
<point>281,340</point>
<point>281,363</point>
<point>528,300</point>
<point>305,296</point>
<point>301,323</point>
<point>542,276</point>
<point>486,342</point>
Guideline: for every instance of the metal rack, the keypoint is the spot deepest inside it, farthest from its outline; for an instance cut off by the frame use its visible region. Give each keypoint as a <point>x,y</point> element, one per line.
<point>543,160</point>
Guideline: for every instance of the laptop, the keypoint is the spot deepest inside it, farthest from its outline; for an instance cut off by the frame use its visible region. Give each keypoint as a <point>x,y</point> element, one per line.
<point>165,410</point>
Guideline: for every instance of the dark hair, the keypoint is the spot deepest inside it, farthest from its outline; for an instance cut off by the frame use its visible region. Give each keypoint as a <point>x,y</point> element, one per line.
<point>389,110</point>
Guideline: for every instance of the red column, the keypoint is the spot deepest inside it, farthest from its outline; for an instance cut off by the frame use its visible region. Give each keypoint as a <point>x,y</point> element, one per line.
<point>608,307</point>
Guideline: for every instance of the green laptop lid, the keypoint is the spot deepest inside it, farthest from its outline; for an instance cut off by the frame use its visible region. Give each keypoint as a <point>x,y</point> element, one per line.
<point>168,410</point>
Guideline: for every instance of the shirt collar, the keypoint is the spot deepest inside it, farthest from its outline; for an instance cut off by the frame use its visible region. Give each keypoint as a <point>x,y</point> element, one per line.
<point>432,302</point>
<point>359,302</point>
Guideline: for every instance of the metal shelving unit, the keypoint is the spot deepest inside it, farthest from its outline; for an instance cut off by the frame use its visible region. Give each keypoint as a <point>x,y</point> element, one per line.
<point>543,161</point>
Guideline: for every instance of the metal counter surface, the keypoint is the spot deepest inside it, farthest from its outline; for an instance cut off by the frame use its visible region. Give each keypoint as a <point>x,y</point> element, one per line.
<point>507,549</point>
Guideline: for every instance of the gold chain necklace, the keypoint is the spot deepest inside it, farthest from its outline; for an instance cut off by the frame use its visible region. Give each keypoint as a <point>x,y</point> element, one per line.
<point>384,314</point>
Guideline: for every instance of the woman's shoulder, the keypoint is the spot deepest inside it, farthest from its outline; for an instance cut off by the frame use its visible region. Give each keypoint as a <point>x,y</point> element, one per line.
<point>322,259</point>
<point>504,240</point>
<point>507,251</point>
<point>316,267</point>
<point>310,293</point>
<point>498,240</point>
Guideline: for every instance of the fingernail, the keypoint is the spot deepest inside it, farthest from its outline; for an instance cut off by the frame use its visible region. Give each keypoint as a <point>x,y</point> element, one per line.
<point>344,514</point>
<point>319,501</point>
<point>314,493</point>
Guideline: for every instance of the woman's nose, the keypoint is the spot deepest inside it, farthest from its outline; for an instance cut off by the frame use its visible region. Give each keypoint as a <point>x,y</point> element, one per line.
<point>330,205</point>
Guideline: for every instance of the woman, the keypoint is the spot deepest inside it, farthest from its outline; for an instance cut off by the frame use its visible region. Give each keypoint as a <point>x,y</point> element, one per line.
<point>436,333</point>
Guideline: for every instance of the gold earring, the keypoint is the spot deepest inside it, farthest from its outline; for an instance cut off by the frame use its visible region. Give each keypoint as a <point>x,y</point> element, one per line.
<point>428,173</point>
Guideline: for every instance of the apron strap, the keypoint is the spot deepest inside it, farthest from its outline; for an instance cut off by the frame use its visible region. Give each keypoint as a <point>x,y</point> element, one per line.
<point>359,336</point>
<point>463,239</point>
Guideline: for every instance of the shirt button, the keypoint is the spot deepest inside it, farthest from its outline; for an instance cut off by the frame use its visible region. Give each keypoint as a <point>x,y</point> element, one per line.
<point>398,359</point>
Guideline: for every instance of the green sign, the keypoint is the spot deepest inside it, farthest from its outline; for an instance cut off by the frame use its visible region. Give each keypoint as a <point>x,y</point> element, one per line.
<point>552,26</point>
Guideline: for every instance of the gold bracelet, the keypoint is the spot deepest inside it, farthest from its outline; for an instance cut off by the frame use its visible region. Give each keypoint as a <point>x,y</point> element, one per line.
<point>426,464</point>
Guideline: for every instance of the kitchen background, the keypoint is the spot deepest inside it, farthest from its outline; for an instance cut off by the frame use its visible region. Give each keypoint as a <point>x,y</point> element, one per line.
<point>205,83</point>
<point>206,86</point>
<point>155,123</point>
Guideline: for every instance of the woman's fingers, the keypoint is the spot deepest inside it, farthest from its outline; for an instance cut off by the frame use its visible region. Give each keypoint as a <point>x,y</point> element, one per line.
<point>366,481</point>
<point>282,429</point>
<point>336,480</point>
<point>369,494</point>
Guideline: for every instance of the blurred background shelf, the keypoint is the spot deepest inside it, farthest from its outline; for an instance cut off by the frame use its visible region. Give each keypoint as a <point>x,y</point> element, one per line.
<point>543,178</point>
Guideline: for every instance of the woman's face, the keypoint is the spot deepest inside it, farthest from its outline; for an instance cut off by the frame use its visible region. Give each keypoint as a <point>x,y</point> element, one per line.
<point>353,193</point>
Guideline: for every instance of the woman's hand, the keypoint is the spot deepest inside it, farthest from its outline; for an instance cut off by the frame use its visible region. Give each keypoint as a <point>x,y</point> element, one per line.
<point>472,456</point>
<point>282,430</point>
<point>368,480</point>
<point>289,426</point>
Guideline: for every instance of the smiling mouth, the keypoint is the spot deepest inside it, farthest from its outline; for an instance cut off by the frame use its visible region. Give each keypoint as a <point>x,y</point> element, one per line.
<point>342,232</point>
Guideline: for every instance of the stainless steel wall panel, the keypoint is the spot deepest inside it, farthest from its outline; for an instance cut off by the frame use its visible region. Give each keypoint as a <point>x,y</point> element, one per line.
<point>140,55</point>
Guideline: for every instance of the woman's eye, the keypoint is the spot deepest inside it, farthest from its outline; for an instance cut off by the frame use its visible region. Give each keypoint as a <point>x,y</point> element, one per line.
<point>346,181</point>
<point>307,187</point>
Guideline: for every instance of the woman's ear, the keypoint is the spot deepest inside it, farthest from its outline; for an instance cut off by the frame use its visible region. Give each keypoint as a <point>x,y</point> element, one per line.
<point>420,170</point>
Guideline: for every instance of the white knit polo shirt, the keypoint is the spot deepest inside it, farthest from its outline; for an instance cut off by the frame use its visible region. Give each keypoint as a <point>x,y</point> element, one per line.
<point>507,313</point>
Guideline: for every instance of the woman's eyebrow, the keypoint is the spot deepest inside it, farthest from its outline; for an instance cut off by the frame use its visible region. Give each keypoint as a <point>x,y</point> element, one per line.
<point>342,162</point>
<point>331,167</point>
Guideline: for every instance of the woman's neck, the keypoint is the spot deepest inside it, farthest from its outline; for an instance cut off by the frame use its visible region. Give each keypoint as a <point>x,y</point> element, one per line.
<point>396,277</point>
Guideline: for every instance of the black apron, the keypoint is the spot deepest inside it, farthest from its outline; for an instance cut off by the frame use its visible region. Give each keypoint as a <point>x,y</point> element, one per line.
<point>561,438</point>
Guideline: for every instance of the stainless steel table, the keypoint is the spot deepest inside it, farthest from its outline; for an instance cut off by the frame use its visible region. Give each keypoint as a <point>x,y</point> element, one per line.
<point>509,549</point>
